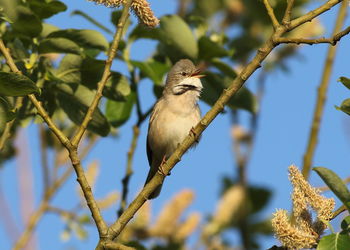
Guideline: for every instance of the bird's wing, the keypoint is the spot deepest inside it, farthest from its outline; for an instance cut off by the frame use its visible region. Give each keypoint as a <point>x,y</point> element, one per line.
<point>151,119</point>
<point>149,152</point>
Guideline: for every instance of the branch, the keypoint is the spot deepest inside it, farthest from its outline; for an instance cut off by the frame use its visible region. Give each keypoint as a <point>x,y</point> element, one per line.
<point>129,171</point>
<point>43,153</point>
<point>106,74</point>
<point>63,213</point>
<point>321,96</point>
<point>218,107</point>
<point>312,14</point>
<point>288,13</point>
<point>110,245</point>
<point>338,211</point>
<point>88,195</point>
<point>332,40</point>
<point>271,14</point>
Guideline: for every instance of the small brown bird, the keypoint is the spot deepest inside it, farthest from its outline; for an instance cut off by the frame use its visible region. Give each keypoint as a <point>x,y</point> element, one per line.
<point>173,116</point>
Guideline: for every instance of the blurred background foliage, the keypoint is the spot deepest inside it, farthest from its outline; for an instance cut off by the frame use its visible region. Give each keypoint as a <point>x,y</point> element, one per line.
<point>63,66</point>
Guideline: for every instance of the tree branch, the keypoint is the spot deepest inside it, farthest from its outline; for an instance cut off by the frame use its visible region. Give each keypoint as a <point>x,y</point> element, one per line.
<point>129,171</point>
<point>321,96</point>
<point>332,40</point>
<point>218,107</point>
<point>88,195</point>
<point>271,14</point>
<point>43,153</point>
<point>106,74</point>
<point>312,14</point>
<point>288,13</point>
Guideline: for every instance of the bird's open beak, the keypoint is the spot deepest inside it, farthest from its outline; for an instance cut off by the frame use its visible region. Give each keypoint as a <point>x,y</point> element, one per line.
<point>197,74</point>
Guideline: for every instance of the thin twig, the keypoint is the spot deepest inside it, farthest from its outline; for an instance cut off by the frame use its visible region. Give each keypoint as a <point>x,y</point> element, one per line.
<point>321,96</point>
<point>129,171</point>
<point>130,154</point>
<point>265,50</point>
<point>64,213</point>
<point>110,245</point>
<point>182,7</point>
<point>338,211</point>
<point>288,13</point>
<point>271,14</point>
<point>312,14</point>
<point>106,74</point>
<point>332,40</point>
<point>43,153</point>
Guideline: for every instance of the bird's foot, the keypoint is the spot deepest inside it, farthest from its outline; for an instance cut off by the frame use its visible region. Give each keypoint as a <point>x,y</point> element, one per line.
<point>160,169</point>
<point>194,134</point>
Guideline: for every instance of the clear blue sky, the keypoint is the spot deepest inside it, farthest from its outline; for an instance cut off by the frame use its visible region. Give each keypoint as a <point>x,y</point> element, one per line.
<point>281,140</point>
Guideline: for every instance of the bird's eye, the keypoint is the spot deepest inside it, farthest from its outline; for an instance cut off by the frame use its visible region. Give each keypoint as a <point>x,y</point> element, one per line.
<point>183,73</point>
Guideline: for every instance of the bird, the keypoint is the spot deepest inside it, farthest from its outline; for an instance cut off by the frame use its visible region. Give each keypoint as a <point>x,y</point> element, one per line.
<point>174,116</point>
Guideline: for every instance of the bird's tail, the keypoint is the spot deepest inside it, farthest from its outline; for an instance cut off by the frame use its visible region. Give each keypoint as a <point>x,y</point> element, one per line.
<point>150,175</point>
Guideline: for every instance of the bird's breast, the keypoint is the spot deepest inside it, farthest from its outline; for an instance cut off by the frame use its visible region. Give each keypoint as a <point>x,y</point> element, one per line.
<point>170,129</point>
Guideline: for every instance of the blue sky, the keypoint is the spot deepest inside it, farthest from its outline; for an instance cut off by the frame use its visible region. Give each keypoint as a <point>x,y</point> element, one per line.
<point>281,139</point>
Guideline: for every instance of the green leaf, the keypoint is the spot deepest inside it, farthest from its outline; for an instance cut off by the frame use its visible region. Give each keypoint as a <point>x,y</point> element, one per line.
<point>46,9</point>
<point>141,31</point>
<point>47,29</point>
<point>58,45</point>
<point>27,23</point>
<point>214,85</point>
<point>345,81</point>
<point>117,87</point>
<point>338,241</point>
<point>258,198</point>
<point>152,69</point>
<point>91,20</point>
<point>345,106</point>
<point>12,84</point>
<point>69,69</point>
<point>345,224</point>
<point>119,112</point>
<point>224,68</point>
<point>209,49</point>
<point>262,227</point>
<point>74,100</point>
<point>178,37</point>
<point>4,110</point>
<point>88,71</point>
<point>18,51</point>
<point>336,184</point>
<point>90,39</point>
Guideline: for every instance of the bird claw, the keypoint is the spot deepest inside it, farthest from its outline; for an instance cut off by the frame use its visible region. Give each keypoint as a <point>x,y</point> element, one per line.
<point>194,134</point>
<point>160,169</point>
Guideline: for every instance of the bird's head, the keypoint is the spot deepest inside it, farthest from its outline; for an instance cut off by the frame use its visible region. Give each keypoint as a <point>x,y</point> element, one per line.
<point>183,77</point>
